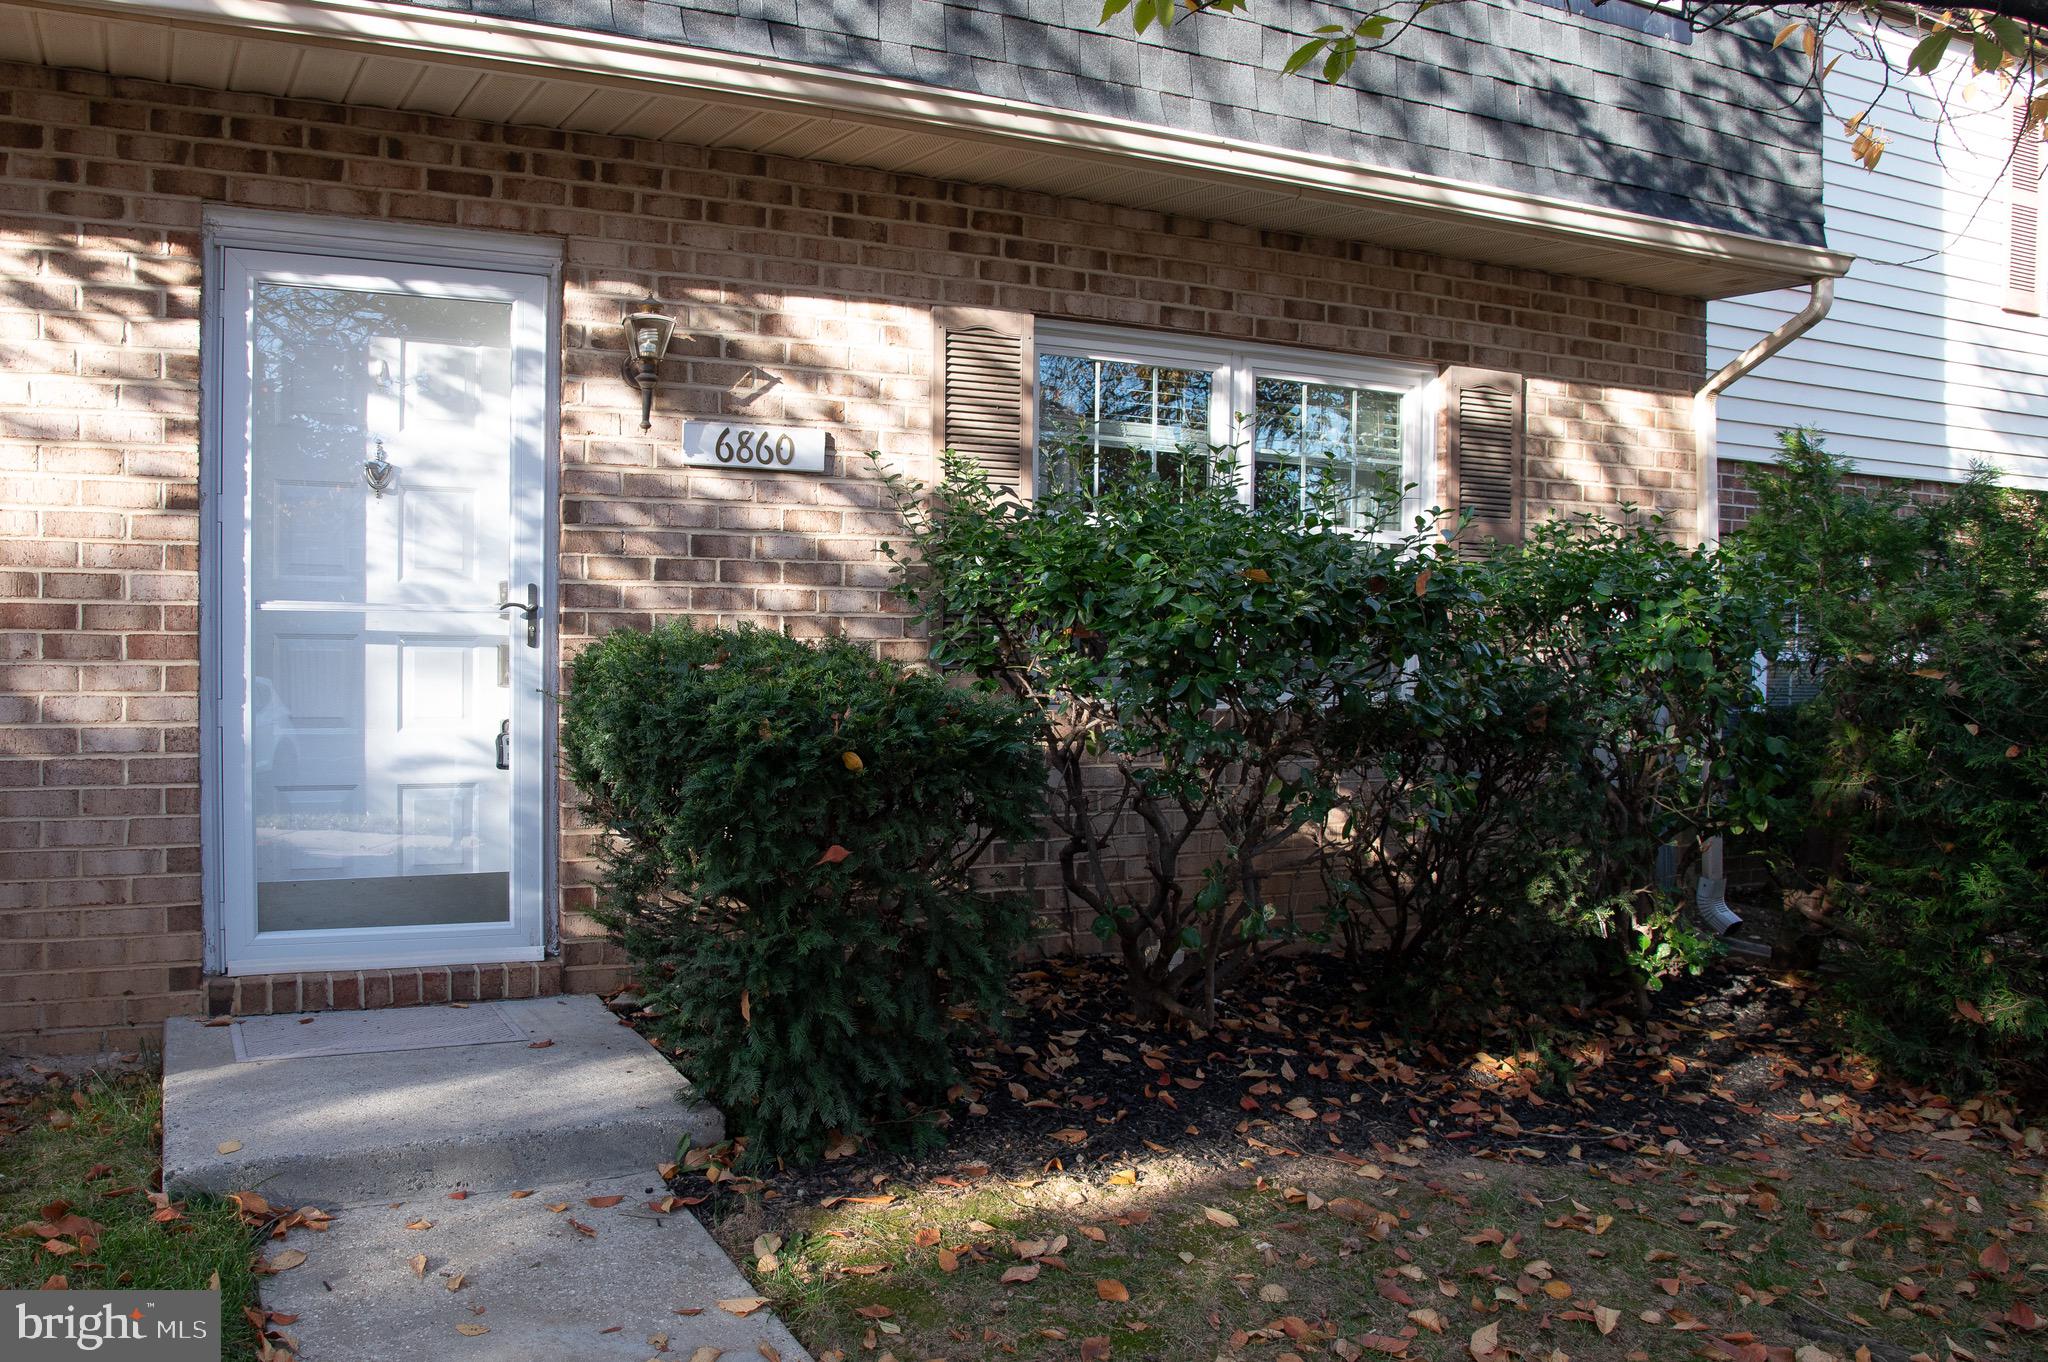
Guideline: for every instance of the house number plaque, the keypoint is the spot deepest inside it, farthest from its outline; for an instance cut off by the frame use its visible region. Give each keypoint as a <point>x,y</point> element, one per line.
<point>741,446</point>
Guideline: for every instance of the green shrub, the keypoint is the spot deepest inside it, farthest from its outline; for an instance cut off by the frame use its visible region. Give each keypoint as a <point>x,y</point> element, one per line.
<point>1656,644</point>
<point>1922,846</point>
<point>1459,794</point>
<point>1571,711</point>
<point>1178,648</point>
<point>788,836</point>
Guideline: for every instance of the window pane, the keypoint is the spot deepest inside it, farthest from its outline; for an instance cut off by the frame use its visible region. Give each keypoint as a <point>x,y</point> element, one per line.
<point>1108,419</point>
<point>1313,436</point>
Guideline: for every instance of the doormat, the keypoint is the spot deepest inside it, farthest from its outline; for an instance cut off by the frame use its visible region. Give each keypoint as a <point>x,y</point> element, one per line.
<point>312,1034</point>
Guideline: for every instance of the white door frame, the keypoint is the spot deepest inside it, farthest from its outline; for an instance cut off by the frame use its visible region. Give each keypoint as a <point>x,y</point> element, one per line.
<point>526,272</point>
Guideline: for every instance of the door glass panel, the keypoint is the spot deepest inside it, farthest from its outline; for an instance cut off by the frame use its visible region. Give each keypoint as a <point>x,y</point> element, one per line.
<point>378,683</point>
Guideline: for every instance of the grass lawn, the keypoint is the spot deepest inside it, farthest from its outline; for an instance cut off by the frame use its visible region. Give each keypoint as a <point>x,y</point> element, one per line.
<point>1423,1255</point>
<point>84,1161</point>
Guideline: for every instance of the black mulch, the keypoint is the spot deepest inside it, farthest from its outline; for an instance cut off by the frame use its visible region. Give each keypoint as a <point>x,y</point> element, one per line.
<point>1726,1065</point>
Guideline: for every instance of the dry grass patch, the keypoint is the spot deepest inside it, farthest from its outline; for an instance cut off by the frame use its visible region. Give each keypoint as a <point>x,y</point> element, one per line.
<point>1805,1253</point>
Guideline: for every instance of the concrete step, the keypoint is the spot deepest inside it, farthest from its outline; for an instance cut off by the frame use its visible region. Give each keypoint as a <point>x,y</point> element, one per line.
<point>533,1285</point>
<point>522,1093</point>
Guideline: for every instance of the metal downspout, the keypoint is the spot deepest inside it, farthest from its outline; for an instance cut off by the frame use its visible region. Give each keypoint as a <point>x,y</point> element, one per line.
<point>1710,898</point>
<point>1706,436</point>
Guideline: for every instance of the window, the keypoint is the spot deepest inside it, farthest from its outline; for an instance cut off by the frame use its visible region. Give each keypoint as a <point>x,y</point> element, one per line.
<point>1119,404</point>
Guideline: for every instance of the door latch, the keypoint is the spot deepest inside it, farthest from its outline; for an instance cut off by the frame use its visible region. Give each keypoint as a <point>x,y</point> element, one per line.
<point>531,609</point>
<point>505,745</point>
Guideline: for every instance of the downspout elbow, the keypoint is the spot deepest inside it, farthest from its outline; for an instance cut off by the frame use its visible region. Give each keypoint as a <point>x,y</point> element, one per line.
<point>1706,436</point>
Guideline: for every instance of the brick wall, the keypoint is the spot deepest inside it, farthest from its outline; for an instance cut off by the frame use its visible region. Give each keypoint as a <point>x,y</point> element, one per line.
<point>803,292</point>
<point>1738,498</point>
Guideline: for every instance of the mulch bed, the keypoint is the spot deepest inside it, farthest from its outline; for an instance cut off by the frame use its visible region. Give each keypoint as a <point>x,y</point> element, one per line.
<point>1726,1065</point>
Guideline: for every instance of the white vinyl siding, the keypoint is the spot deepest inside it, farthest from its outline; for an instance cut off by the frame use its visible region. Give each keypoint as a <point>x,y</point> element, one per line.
<point>1919,369</point>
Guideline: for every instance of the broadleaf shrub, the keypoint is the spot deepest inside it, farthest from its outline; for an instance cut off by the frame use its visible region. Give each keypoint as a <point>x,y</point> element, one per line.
<point>788,834</point>
<point>1446,739</point>
<point>1574,709</point>
<point>1178,648</point>
<point>1918,845</point>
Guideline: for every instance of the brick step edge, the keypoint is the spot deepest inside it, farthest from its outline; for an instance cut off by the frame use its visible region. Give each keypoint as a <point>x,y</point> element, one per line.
<point>258,995</point>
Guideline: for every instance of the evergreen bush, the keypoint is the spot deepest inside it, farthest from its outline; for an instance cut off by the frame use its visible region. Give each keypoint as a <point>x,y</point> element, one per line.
<point>788,834</point>
<point>1919,847</point>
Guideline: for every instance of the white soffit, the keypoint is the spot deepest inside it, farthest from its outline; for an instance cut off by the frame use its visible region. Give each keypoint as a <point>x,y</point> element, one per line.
<point>501,71</point>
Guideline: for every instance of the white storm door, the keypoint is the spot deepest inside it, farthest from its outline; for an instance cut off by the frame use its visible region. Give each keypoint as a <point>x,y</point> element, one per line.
<point>382,710</point>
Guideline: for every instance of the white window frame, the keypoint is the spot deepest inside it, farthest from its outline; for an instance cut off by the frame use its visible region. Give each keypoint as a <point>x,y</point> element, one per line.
<point>1238,364</point>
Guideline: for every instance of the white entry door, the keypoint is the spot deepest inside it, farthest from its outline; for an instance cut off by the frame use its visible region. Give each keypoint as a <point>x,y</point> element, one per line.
<point>383,609</point>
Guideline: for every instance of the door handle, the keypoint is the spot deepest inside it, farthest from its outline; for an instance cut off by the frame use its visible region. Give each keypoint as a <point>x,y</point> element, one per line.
<point>531,609</point>
<point>505,745</point>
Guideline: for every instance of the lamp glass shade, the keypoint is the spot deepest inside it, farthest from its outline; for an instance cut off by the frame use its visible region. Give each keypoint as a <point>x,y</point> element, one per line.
<point>649,331</point>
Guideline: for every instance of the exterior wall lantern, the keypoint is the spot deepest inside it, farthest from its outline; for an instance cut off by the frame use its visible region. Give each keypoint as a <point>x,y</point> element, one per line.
<point>647,337</point>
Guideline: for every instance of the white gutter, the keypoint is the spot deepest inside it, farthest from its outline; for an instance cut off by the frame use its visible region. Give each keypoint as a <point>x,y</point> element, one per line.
<point>1705,425</point>
<point>428,35</point>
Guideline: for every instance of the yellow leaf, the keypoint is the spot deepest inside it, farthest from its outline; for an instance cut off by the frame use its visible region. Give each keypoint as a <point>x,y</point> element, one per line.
<point>1257,575</point>
<point>1022,1272</point>
<point>1787,31</point>
<point>420,1225</point>
<point>472,1330</point>
<point>1223,1219</point>
<point>852,760</point>
<point>1428,1319</point>
<point>949,1261</point>
<point>1605,1319</point>
<point>1486,1341</point>
<point>286,1261</point>
<point>1124,1177</point>
<point>707,1353</point>
<point>1557,1290</point>
<point>227,1146</point>
<point>742,1305</point>
<point>419,1265</point>
<point>746,1007</point>
<point>1109,1289</point>
<point>1422,581</point>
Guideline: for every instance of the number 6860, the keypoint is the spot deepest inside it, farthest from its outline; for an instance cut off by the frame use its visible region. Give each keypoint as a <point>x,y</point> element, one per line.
<point>741,446</point>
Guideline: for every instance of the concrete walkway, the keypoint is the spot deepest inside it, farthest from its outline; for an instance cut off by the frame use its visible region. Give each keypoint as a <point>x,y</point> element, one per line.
<point>379,1116</point>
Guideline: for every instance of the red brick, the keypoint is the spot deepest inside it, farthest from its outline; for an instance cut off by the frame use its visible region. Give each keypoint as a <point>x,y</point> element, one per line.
<point>820,275</point>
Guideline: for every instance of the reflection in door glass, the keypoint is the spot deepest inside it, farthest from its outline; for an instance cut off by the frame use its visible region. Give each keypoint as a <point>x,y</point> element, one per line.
<point>377,685</point>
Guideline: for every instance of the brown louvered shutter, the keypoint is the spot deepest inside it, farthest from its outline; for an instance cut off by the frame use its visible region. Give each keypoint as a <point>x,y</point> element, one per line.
<point>2023,246</point>
<point>984,391</point>
<point>1483,452</point>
